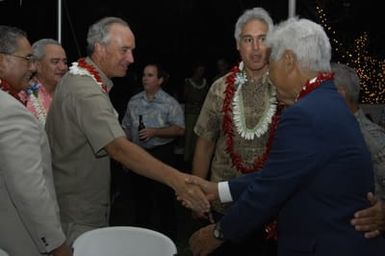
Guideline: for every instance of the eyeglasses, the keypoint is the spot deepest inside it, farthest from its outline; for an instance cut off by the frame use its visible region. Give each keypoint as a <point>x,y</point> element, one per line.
<point>29,58</point>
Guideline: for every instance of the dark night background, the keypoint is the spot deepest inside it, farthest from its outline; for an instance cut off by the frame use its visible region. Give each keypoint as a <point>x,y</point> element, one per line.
<point>178,33</point>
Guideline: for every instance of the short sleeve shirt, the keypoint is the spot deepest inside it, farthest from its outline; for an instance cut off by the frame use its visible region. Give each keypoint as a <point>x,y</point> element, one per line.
<point>80,123</point>
<point>209,126</point>
<point>162,111</point>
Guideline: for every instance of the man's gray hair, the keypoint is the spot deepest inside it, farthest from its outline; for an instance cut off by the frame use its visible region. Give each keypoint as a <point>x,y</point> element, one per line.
<point>306,39</point>
<point>99,32</point>
<point>38,47</point>
<point>256,13</point>
<point>347,79</point>
<point>9,37</point>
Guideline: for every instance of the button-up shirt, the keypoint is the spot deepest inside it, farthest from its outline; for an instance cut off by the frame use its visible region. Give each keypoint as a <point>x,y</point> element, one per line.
<point>162,111</point>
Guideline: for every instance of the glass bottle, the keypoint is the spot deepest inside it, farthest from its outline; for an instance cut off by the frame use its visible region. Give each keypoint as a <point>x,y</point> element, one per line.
<point>141,125</point>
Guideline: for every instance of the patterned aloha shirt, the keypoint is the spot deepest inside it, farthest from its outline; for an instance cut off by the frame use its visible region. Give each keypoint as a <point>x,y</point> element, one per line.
<point>209,126</point>
<point>162,111</point>
<point>38,101</point>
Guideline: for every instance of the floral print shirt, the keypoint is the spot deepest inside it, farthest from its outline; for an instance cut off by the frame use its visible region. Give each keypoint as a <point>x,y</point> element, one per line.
<point>374,136</point>
<point>38,101</point>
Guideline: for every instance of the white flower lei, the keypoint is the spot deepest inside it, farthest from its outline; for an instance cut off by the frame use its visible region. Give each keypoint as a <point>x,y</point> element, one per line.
<point>33,96</point>
<point>38,106</point>
<point>198,86</point>
<point>239,112</point>
<point>76,70</point>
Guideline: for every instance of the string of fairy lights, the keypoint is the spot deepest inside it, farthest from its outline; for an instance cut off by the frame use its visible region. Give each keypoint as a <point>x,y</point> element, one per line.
<point>370,69</point>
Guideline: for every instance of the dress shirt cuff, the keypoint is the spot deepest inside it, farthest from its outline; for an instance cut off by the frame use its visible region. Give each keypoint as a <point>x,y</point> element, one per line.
<point>224,192</point>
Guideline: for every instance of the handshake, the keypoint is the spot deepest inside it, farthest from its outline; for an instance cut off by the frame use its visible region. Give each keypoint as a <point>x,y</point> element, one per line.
<point>196,193</point>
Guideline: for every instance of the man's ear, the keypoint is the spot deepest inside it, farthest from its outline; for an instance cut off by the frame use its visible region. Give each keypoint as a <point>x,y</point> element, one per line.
<point>2,60</point>
<point>99,47</point>
<point>289,59</point>
<point>161,80</point>
<point>38,65</point>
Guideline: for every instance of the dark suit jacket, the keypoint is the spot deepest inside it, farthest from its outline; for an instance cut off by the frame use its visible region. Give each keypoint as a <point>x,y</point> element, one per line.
<point>318,174</point>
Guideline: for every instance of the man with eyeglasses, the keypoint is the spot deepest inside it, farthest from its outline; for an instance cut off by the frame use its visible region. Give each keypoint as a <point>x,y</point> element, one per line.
<point>51,65</point>
<point>29,214</point>
<point>28,58</point>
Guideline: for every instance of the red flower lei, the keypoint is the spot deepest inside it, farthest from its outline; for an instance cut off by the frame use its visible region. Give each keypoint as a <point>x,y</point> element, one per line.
<point>311,85</point>
<point>4,86</point>
<point>92,70</point>
<point>228,128</point>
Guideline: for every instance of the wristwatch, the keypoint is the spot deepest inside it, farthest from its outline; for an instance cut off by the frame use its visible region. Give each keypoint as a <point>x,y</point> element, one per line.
<point>217,233</point>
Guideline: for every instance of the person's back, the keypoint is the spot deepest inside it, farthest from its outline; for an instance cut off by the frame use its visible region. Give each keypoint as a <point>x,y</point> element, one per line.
<point>319,170</point>
<point>317,216</point>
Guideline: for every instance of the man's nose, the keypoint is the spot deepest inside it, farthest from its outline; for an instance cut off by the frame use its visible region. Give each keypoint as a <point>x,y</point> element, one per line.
<point>62,65</point>
<point>32,66</point>
<point>130,57</point>
<point>256,44</point>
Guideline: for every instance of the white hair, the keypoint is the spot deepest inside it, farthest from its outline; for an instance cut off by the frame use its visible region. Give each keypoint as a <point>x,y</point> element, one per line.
<point>38,47</point>
<point>306,39</point>
<point>256,13</point>
<point>99,32</point>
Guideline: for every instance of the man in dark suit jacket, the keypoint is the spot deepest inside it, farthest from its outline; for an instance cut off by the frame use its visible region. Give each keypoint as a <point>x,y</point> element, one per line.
<point>319,170</point>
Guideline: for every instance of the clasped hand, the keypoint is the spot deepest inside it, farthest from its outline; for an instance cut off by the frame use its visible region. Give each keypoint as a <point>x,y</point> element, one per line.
<point>198,188</point>
<point>370,221</point>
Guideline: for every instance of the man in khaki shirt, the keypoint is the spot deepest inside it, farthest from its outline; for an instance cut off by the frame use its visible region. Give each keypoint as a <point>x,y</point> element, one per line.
<point>83,130</point>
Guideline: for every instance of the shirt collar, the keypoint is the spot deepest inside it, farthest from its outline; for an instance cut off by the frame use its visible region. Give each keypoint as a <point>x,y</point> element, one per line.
<point>105,79</point>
